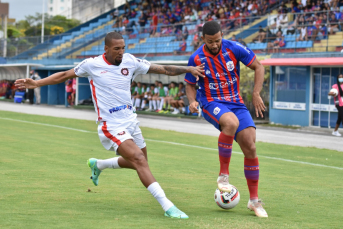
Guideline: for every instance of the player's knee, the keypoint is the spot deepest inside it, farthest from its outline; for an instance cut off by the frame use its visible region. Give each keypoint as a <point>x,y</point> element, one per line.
<point>139,160</point>
<point>229,124</point>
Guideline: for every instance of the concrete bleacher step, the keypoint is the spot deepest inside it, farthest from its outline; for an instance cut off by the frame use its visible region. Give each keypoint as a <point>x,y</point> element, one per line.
<point>336,39</point>
<point>68,44</point>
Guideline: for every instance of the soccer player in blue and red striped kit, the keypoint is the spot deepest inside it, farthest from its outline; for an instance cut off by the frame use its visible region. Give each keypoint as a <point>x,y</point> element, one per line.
<point>222,105</point>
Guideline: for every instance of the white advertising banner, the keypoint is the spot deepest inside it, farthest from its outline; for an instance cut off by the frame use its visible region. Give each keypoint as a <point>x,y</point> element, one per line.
<point>289,106</point>
<point>323,107</point>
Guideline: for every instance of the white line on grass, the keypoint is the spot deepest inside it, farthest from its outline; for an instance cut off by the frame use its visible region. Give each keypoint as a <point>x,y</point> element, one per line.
<point>175,143</point>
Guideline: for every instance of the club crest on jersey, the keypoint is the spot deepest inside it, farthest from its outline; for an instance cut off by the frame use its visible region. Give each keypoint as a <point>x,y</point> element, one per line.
<point>216,110</point>
<point>121,133</point>
<point>230,66</point>
<point>125,71</point>
<point>208,72</point>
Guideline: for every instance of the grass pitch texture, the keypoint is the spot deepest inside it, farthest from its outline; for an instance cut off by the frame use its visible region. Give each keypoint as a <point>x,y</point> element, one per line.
<point>45,181</point>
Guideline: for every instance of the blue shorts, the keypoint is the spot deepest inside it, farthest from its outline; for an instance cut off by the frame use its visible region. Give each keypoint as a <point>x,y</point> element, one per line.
<point>212,112</point>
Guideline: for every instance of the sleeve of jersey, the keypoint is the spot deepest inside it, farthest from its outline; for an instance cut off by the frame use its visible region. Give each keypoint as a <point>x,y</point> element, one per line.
<point>142,66</point>
<point>81,70</point>
<point>246,55</point>
<point>189,78</point>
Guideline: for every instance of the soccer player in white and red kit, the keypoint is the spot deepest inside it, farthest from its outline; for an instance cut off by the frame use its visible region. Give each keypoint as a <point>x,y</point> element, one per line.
<point>110,76</point>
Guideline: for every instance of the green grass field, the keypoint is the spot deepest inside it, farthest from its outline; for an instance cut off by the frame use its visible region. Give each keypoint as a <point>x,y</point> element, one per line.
<point>44,181</point>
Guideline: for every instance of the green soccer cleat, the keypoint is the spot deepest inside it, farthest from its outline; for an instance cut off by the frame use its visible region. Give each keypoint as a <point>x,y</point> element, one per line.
<point>174,212</point>
<point>95,171</point>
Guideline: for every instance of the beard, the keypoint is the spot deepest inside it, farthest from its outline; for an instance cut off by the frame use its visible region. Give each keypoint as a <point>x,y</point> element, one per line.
<point>210,51</point>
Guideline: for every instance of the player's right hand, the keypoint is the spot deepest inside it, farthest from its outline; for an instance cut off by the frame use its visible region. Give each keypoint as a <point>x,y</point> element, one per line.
<point>193,107</point>
<point>26,83</point>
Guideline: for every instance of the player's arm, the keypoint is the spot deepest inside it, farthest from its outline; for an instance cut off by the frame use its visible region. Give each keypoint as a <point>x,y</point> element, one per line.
<point>191,95</point>
<point>259,78</point>
<point>55,78</point>
<point>172,70</point>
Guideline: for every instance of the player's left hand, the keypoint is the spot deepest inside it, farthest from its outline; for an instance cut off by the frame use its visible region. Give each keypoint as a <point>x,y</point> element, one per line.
<point>258,104</point>
<point>198,71</point>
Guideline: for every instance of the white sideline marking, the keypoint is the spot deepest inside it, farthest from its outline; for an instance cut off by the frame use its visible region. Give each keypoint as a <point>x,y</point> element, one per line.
<point>175,143</point>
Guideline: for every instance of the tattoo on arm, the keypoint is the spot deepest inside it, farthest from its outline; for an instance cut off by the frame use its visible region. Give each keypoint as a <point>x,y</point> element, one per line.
<point>170,70</point>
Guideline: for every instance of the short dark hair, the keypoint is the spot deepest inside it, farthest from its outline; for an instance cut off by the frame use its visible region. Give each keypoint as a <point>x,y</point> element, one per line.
<point>211,28</point>
<point>112,35</point>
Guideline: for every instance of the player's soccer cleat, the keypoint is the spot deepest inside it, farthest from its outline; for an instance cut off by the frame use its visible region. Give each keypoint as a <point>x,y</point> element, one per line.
<point>95,171</point>
<point>223,183</point>
<point>174,212</point>
<point>336,133</point>
<point>257,208</point>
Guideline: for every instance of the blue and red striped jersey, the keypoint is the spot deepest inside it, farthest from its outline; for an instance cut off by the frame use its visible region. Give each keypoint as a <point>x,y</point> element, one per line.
<point>222,72</point>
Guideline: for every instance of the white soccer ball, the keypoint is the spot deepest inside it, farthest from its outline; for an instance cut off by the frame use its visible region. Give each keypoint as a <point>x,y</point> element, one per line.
<point>227,200</point>
<point>335,91</point>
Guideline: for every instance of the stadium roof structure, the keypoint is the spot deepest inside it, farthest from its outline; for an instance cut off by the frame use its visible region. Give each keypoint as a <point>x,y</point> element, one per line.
<point>317,61</point>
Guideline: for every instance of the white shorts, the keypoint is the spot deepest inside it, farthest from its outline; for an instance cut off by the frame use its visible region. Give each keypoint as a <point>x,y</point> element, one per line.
<point>112,136</point>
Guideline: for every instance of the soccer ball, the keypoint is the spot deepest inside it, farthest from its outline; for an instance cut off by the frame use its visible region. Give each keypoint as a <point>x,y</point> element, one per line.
<point>227,200</point>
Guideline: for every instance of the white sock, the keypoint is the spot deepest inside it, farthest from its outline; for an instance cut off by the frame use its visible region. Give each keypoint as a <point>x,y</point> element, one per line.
<point>158,104</point>
<point>108,163</point>
<point>143,104</point>
<point>138,102</point>
<point>157,192</point>
<point>154,104</point>
<point>183,109</point>
<point>150,104</point>
<point>161,104</point>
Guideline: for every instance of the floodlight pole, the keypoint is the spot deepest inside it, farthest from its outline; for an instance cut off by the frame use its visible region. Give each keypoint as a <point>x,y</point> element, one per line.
<point>42,41</point>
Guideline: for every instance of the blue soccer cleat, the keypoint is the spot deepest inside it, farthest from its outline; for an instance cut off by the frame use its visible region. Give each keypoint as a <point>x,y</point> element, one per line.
<point>174,212</point>
<point>95,171</point>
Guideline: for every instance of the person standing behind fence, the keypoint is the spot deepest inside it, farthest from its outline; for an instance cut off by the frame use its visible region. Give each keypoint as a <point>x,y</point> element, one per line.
<point>337,93</point>
<point>30,93</point>
<point>37,89</point>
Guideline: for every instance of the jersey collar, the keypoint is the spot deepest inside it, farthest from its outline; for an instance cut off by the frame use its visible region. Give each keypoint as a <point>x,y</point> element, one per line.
<point>209,54</point>
<point>104,57</point>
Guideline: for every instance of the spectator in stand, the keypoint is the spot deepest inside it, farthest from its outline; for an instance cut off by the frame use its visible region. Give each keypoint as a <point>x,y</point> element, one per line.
<point>303,33</point>
<point>73,95</point>
<point>233,38</point>
<point>278,42</point>
<point>185,33</point>
<point>182,47</point>
<point>261,35</point>
<point>142,22</point>
<point>240,40</point>
<point>333,24</point>
<point>281,20</point>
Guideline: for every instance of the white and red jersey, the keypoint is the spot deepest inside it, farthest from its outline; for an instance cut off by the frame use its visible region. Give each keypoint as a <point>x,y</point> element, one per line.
<point>110,86</point>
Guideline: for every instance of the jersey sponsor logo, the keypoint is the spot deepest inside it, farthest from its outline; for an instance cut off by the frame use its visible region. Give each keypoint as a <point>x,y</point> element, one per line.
<point>222,84</point>
<point>216,110</point>
<point>217,75</point>
<point>124,71</point>
<point>226,53</point>
<point>230,66</point>
<point>208,72</point>
<point>78,67</point>
<point>103,72</point>
<point>121,133</point>
<point>227,97</point>
<point>122,107</point>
